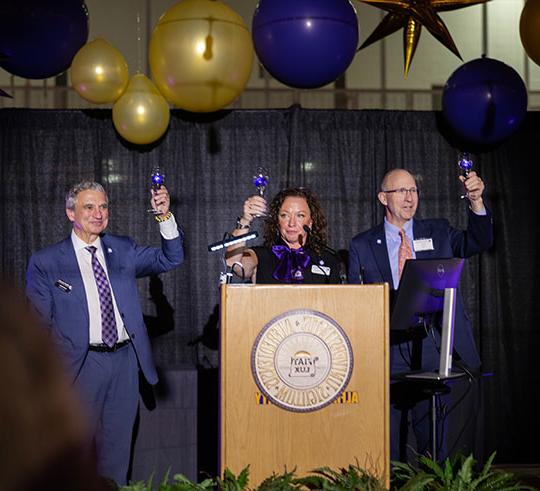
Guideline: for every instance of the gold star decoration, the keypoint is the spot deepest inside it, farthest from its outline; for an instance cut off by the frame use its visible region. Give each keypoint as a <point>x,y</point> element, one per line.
<point>411,15</point>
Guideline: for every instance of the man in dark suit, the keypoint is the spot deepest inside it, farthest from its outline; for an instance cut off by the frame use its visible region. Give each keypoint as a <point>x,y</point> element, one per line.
<point>378,256</point>
<point>85,288</point>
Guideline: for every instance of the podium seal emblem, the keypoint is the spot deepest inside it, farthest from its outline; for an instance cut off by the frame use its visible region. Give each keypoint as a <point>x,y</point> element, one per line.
<point>302,360</point>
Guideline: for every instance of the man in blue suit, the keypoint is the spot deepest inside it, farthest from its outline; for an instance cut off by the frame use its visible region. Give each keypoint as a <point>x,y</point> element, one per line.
<point>378,255</point>
<point>85,288</point>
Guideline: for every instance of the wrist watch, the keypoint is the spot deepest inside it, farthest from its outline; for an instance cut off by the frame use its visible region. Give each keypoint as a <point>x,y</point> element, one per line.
<point>239,225</point>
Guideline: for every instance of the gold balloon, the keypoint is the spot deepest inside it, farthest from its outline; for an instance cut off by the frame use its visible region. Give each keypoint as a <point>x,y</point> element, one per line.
<point>529,29</point>
<point>141,115</point>
<point>201,54</point>
<point>99,72</point>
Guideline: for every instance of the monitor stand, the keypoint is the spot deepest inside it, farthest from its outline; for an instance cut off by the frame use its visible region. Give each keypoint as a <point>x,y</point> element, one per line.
<point>439,387</point>
<point>447,342</point>
<point>433,376</point>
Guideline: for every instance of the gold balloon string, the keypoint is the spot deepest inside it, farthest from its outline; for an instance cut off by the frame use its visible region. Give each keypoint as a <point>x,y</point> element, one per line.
<point>139,42</point>
<point>484,29</point>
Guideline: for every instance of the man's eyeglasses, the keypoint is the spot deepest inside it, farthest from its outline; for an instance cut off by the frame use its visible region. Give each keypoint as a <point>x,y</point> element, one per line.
<point>404,191</point>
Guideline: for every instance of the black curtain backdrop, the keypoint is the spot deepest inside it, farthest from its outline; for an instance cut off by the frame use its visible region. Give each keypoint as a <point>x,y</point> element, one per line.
<point>209,161</point>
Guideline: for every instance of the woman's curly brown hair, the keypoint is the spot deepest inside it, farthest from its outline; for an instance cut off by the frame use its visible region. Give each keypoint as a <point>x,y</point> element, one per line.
<point>317,239</point>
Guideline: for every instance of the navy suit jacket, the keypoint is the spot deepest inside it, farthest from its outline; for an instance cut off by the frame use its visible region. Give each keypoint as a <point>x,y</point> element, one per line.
<point>66,312</point>
<point>368,262</point>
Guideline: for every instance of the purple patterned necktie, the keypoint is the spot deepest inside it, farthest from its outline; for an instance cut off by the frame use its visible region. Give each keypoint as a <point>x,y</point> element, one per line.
<point>109,333</point>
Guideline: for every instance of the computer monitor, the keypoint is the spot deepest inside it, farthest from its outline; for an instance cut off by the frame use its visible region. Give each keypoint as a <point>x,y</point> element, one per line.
<point>428,286</point>
<point>421,289</point>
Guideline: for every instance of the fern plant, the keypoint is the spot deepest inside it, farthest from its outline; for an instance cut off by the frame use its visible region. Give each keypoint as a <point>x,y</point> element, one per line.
<point>230,482</point>
<point>180,483</point>
<point>281,482</point>
<point>455,474</point>
<point>350,478</point>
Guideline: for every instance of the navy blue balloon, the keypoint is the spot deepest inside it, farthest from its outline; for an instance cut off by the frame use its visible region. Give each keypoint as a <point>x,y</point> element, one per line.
<point>305,43</point>
<point>40,37</point>
<point>484,101</point>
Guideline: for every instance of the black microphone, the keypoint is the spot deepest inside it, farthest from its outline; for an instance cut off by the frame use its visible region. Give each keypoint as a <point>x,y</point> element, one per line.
<point>327,248</point>
<point>308,231</point>
<point>361,275</point>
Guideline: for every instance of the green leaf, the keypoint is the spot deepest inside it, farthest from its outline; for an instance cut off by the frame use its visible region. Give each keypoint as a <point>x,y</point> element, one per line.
<point>433,466</point>
<point>350,478</point>
<point>311,482</point>
<point>243,477</point>
<point>283,482</point>
<point>466,472</point>
<point>135,486</point>
<point>418,482</point>
<point>488,464</point>
<point>232,483</point>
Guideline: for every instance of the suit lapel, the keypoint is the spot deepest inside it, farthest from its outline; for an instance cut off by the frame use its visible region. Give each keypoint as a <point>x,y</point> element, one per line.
<point>112,259</point>
<point>71,273</point>
<point>109,253</point>
<point>377,243</point>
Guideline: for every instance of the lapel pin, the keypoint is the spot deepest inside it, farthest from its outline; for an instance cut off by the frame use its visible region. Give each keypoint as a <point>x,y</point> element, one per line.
<point>109,250</point>
<point>62,285</point>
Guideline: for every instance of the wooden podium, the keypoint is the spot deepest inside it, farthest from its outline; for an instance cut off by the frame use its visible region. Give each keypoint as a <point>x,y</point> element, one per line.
<point>304,378</point>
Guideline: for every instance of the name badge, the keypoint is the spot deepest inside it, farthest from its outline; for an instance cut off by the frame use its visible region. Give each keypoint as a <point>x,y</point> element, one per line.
<point>324,270</point>
<point>423,245</point>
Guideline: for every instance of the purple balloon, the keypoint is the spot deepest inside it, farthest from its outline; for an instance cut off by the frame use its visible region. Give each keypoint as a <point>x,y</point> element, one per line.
<point>305,43</point>
<point>41,37</point>
<point>484,101</point>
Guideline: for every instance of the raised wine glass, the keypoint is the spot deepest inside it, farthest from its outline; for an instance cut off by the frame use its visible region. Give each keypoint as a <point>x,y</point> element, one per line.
<point>157,179</point>
<point>260,180</point>
<point>465,163</point>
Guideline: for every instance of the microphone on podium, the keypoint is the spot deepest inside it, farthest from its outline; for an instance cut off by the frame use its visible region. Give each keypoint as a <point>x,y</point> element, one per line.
<point>334,253</point>
<point>308,231</point>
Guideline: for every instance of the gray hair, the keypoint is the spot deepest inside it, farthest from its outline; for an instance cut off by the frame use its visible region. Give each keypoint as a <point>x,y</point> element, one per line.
<point>71,196</point>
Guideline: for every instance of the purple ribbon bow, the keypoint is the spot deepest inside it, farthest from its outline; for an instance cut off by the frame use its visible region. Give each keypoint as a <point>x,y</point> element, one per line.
<point>292,264</point>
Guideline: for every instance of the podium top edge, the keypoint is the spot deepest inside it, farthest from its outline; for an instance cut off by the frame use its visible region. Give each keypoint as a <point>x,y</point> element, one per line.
<point>308,286</point>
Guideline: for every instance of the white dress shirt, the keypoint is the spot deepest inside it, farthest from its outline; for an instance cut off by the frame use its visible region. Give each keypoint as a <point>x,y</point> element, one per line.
<point>84,258</point>
<point>168,230</point>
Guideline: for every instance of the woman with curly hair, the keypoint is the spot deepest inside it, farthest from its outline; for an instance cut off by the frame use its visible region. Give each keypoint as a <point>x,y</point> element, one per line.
<point>295,242</point>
